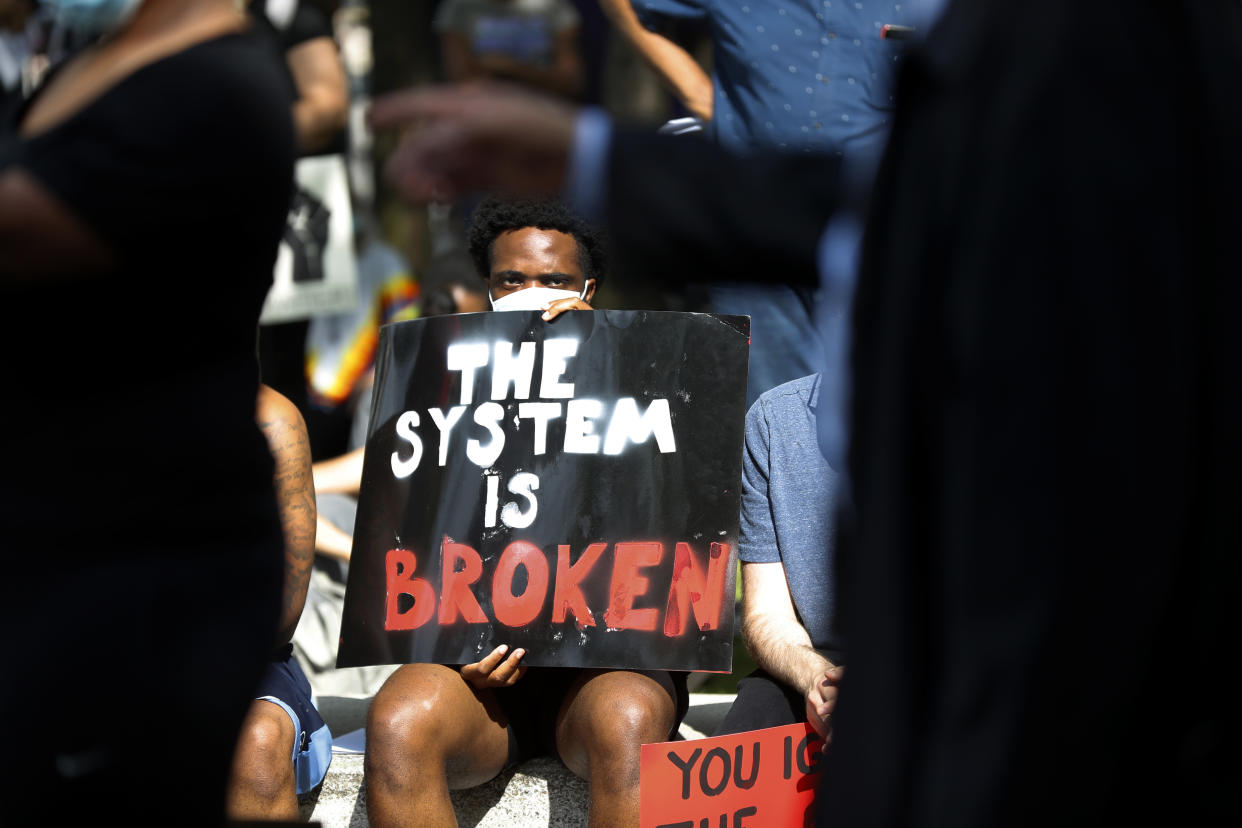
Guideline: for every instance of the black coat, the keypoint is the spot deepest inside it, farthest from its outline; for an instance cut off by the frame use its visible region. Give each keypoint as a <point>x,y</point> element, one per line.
<point>1039,577</point>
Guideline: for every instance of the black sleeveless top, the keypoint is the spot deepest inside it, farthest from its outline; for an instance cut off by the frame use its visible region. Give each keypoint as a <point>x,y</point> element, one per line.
<point>130,395</point>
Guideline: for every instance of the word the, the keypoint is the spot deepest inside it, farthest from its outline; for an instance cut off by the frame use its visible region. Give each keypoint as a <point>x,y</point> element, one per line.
<point>738,820</point>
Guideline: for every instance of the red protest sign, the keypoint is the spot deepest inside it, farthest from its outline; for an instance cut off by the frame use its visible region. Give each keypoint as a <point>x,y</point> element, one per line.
<point>746,780</point>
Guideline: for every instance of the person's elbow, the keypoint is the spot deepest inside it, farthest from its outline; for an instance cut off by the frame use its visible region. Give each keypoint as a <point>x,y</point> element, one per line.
<point>320,116</point>
<point>332,102</point>
<point>699,99</point>
<point>321,109</point>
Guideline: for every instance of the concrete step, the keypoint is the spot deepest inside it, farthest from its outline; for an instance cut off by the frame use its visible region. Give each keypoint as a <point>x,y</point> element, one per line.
<point>540,792</point>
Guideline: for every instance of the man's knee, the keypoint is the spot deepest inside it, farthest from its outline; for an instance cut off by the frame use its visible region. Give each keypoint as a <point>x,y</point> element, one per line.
<point>762,702</point>
<point>621,712</point>
<point>265,750</point>
<point>636,720</point>
<point>427,726</point>
<point>413,712</point>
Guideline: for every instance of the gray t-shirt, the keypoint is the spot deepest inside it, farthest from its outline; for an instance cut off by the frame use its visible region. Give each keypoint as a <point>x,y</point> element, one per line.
<point>525,30</point>
<point>788,496</point>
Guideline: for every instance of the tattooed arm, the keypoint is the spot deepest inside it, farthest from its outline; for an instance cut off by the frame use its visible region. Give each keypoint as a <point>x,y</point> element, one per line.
<point>286,435</point>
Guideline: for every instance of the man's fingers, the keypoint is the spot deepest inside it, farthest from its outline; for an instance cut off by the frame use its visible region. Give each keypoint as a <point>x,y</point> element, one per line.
<point>474,137</point>
<point>400,108</point>
<point>822,693</point>
<point>561,305</point>
<point>438,163</point>
<point>509,670</point>
<point>820,701</point>
<point>817,720</point>
<point>487,664</point>
<point>437,101</point>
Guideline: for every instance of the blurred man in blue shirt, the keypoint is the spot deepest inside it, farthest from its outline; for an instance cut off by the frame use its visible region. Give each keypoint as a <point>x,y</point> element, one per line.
<point>809,76</point>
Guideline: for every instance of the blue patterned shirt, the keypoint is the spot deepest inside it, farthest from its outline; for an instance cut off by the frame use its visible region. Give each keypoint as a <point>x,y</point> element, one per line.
<point>812,75</point>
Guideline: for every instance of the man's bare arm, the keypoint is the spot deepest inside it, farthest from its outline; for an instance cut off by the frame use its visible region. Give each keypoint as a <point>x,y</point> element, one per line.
<point>677,68</point>
<point>771,630</point>
<point>781,645</point>
<point>287,439</point>
<point>332,541</point>
<point>320,112</point>
<point>341,474</point>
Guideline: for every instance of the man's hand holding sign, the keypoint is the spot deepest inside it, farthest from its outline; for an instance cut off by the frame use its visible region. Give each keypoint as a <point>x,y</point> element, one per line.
<point>547,527</point>
<point>495,670</point>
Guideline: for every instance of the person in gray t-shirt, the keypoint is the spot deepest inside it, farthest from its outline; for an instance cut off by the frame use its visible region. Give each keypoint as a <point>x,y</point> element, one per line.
<point>786,545</point>
<point>536,43</point>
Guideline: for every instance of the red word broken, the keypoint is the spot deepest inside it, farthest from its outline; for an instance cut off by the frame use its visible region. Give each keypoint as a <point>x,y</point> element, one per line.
<point>695,589</point>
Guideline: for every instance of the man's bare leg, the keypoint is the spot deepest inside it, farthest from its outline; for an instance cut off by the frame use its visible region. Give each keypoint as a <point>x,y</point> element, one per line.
<point>606,717</point>
<point>262,785</point>
<point>428,731</point>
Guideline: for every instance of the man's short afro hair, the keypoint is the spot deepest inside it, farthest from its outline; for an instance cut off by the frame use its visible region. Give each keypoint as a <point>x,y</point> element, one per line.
<point>494,216</point>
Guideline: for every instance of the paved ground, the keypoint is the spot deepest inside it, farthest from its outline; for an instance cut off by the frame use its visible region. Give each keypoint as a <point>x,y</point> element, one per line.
<point>538,793</point>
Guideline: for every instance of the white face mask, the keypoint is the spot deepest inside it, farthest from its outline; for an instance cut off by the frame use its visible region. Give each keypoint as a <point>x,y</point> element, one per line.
<point>88,18</point>
<point>534,298</point>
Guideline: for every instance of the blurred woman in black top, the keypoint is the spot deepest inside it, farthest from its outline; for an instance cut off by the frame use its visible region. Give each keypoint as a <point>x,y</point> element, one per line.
<point>143,190</point>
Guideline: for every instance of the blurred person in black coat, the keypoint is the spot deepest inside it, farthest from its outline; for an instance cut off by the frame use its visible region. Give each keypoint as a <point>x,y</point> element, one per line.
<point>1038,561</point>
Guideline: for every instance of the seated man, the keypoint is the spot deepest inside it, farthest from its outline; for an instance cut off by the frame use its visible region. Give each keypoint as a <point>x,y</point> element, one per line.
<point>284,748</point>
<point>785,546</point>
<point>433,727</point>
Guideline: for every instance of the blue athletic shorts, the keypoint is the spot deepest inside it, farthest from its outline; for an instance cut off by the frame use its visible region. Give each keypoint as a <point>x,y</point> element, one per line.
<point>285,684</point>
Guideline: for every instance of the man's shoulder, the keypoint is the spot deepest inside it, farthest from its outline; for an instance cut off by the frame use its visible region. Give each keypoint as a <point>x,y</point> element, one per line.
<point>797,393</point>
<point>783,413</point>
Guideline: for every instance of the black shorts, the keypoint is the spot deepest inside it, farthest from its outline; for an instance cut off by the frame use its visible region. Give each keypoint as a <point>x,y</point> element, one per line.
<point>532,704</point>
<point>762,702</point>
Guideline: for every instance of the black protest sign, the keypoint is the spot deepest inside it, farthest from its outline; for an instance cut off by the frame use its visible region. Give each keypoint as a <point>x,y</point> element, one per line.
<point>570,488</point>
